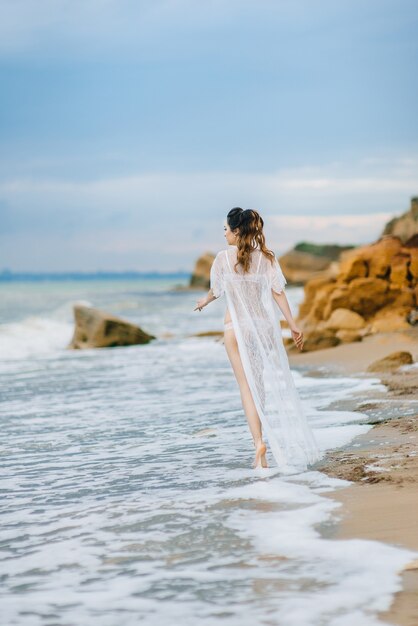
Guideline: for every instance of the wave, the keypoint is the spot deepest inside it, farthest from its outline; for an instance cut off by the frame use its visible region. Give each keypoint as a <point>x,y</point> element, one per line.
<point>38,335</point>
<point>34,336</point>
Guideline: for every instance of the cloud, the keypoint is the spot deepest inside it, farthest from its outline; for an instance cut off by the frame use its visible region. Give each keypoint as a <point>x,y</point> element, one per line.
<point>119,222</point>
<point>185,196</point>
<point>342,229</point>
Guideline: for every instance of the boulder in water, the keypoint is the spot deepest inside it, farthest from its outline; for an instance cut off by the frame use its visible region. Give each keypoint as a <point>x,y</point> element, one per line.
<point>97,329</point>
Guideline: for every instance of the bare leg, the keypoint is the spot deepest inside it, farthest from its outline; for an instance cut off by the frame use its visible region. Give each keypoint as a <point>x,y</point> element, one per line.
<point>250,410</point>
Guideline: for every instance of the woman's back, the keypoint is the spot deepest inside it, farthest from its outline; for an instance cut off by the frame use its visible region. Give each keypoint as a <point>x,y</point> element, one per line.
<point>256,257</point>
<point>262,271</point>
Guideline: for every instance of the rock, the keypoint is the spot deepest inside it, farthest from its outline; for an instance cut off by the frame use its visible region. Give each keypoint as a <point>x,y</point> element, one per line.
<point>317,291</point>
<point>307,260</point>
<point>345,319</point>
<point>412,242</point>
<point>201,272</point>
<point>352,267</point>
<point>97,329</point>
<point>412,318</point>
<point>380,256</point>
<point>362,295</point>
<point>347,336</point>
<point>372,260</point>
<point>366,295</point>
<point>406,225</point>
<point>392,320</point>
<point>378,283</point>
<point>391,362</point>
<point>395,315</point>
<point>399,268</point>
<point>209,333</point>
<point>399,298</point>
<point>402,383</point>
<point>316,340</point>
<point>298,267</point>
<point>413,266</point>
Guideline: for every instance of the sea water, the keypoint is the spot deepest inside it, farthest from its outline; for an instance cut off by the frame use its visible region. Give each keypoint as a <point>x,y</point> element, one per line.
<point>127,490</point>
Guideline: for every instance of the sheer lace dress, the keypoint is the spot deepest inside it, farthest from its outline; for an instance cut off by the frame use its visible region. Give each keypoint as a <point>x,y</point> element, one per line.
<point>256,321</point>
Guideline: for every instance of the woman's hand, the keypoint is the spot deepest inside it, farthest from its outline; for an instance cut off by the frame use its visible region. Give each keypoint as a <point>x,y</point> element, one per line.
<point>201,303</point>
<point>297,336</point>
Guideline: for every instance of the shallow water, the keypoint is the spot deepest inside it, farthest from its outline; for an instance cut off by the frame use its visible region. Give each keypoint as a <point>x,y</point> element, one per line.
<point>128,493</point>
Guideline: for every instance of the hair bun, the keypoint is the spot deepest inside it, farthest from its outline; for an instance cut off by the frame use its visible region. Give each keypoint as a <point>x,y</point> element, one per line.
<point>247,215</point>
<point>240,216</point>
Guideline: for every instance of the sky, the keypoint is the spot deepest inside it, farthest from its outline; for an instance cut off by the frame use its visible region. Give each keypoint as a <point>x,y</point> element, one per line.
<point>129,128</point>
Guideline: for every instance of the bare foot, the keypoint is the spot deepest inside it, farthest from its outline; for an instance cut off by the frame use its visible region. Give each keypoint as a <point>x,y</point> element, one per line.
<point>260,455</point>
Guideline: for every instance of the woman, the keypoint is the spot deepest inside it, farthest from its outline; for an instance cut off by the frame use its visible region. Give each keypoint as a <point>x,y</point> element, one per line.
<point>251,278</point>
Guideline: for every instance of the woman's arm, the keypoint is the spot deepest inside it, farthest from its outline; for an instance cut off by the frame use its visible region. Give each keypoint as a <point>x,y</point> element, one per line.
<point>205,301</point>
<point>283,305</point>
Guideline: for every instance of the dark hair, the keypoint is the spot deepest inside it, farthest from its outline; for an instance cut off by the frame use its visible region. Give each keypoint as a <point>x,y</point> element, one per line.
<point>250,235</point>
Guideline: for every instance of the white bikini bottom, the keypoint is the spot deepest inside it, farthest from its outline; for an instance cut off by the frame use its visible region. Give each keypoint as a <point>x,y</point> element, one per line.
<point>262,324</point>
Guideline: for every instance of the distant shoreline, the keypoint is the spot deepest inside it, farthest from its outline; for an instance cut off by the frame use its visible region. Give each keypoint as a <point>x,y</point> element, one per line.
<point>9,277</point>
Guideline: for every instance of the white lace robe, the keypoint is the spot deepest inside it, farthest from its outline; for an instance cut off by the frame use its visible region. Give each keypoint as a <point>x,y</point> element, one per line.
<point>256,321</point>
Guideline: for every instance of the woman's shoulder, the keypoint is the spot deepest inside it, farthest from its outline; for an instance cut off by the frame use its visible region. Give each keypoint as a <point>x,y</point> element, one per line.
<point>225,251</point>
<point>266,256</point>
<point>220,257</point>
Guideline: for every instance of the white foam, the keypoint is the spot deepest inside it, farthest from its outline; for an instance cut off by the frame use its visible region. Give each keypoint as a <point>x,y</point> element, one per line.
<point>33,336</point>
<point>348,571</point>
<point>38,335</point>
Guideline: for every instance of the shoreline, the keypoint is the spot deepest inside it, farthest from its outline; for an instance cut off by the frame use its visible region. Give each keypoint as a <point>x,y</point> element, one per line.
<point>382,464</point>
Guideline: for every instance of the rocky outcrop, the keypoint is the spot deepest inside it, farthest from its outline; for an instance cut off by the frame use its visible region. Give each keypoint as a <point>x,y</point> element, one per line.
<point>201,274</point>
<point>375,290</point>
<point>406,225</point>
<point>391,362</point>
<point>317,340</point>
<point>98,329</point>
<point>308,260</point>
<point>345,319</point>
<point>348,336</point>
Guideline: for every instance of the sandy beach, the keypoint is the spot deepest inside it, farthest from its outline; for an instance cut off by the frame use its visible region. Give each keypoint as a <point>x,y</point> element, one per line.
<point>382,464</point>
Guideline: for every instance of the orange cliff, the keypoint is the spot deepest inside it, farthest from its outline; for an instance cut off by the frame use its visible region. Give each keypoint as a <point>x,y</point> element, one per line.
<point>374,290</point>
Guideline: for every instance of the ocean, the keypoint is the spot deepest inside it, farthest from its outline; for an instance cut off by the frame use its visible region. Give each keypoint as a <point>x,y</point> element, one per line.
<point>128,495</point>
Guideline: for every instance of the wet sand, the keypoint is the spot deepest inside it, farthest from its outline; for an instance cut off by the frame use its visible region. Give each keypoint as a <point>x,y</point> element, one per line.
<point>382,502</point>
